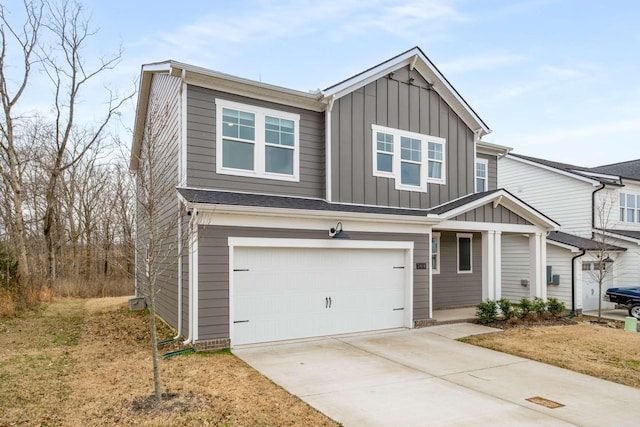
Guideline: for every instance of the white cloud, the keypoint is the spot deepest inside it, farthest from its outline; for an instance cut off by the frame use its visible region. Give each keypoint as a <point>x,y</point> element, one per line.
<point>603,131</point>
<point>479,62</point>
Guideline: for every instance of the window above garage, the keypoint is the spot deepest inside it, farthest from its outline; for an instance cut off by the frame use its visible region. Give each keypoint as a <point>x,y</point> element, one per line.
<point>412,159</point>
<point>257,142</point>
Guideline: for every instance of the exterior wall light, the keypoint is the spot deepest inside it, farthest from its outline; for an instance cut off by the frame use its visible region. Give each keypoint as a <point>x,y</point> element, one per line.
<point>337,232</point>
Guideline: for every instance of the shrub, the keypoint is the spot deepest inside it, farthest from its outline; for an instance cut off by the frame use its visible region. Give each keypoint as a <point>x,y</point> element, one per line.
<point>526,306</point>
<point>487,311</point>
<point>555,306</point>
<point>506,308</point>
<point>7,305</point>
<point>539,305</point>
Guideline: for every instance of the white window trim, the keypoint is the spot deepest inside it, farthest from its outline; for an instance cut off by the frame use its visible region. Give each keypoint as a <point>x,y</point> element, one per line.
<point>259,143</point>
<point>436,270</point>
<point>464,235</point>
<point>397,160</point>
<point>485,162</point>
<point>625,208</point>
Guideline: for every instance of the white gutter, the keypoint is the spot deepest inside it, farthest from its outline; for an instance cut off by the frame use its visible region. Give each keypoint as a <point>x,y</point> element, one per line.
<point>327,150</point>
<point>193,270</point>
<point>179,329</point>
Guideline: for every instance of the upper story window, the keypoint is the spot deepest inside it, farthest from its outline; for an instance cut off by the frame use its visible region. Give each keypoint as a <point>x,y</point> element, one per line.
<point>629,208</point>
<point>412,159</point>
<point>482,172</point>
<point>256,142</point>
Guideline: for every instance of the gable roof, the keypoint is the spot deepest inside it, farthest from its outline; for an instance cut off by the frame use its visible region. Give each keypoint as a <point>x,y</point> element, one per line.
<point>579,242</point>
<point>589,174</point>
<point>629,169</point>
<point>416,59</point>
<point>633,234</point>
<point>499,196</point>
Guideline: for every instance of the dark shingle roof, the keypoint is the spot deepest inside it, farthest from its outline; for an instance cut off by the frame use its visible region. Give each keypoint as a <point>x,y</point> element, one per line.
<point>626,233</point>
<point>576,170</point>
<point>628,169</point>
<point>245,199</point>
<point>449,206</point>
<point>580,242</point>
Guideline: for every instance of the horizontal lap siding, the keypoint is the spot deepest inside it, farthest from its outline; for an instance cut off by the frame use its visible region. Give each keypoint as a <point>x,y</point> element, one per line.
<point>515,266</point>
<point>396,104</point>
<point>451,289</point>
<point>560,261</point>
<point>213,275</point>
<point>165,98</point>
<point>201,153</point>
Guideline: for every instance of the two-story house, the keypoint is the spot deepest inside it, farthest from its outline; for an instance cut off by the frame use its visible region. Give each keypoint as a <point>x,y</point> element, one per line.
<point>598,210</point>
<point>349,209</point>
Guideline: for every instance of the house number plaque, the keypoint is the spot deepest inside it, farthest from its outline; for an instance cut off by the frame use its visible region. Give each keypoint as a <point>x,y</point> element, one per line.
<point>421,265</point>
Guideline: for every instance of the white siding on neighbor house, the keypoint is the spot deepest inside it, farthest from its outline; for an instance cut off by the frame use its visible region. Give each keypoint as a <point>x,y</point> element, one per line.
<point>515,266</point>
<point>626,268</point>
<point>564,199</point>
<point>560,261</point>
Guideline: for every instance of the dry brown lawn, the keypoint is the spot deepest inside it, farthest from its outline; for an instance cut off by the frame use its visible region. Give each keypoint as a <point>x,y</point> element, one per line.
<point>600,351</point>
<point>87,362</point>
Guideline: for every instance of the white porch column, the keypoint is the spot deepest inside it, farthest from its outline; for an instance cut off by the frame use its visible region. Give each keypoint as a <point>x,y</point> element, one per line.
<point>488,263</point>
<point>537,270</point>
<point>497,264</point>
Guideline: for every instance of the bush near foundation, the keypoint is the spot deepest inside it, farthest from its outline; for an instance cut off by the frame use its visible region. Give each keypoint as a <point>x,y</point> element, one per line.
<point>514,313</point>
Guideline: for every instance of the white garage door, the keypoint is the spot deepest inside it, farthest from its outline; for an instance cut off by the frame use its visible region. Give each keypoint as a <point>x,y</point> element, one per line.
<point>289,293</point>
<point>590,295</point>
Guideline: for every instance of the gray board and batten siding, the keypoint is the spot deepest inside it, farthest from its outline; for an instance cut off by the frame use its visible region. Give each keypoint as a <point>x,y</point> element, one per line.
<point>453,289</point>
<point>492,172</point>
<point>163,121</point>
<point>201,148</point>
<point>396,103</point>
<point>213,274</point>
<point>496,215</point>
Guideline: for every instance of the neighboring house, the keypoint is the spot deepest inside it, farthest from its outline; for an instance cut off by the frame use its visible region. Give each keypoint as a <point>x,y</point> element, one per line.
<point>270,180</point>
<point>599,212</point>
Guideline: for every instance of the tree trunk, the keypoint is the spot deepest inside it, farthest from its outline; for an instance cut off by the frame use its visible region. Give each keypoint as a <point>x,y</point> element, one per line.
<point>154,345</point>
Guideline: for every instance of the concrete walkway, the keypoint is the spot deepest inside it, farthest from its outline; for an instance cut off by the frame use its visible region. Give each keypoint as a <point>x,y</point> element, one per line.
<point>423,377</point>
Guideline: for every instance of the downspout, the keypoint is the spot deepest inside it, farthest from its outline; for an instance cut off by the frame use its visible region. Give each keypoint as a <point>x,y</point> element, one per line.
<point>182,173</point>
<point>573,281</point>
<point>327,150</point>
<point>593,210</point>
<point>193,225</point>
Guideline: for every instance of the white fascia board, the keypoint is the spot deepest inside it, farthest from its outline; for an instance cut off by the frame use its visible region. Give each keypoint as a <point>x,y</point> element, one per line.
<point>509,202</point>
<point>593,182</point>
<point>417,60</point>
<point>599,175</point>
<point>296,218</point>
<point>224,82</point>
<point>619,236</point>
<point>472,226</point>
<point>563,245</point>
<point>484,147</point>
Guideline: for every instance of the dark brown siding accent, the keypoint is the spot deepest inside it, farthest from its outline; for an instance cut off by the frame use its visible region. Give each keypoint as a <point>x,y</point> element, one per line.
<point>487,213</point>
<point>492,178</point>
<point>451,289</point>
<point>213,277</point>
<point>201,145</point>
<point>165,98</point>
<point>396,103</point>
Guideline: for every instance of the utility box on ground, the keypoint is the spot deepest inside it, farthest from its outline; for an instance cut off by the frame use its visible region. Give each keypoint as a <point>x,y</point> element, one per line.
<point>137,303</point>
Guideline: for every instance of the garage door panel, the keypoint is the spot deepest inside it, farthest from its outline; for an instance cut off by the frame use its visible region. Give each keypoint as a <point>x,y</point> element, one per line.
<point>288,293</point>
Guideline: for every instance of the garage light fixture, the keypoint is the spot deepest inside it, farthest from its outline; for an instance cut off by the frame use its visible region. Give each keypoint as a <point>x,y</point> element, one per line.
<point>337,232</point>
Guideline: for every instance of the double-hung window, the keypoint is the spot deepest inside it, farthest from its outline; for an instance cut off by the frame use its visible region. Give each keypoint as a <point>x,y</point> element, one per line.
<point>435,253</point>
<point>481,175</point>
<point>411,159</point>
<point>257,142</point>
<point>629,208</point>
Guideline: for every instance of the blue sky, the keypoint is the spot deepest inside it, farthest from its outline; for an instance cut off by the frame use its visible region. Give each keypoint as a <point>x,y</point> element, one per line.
<point>557,79</point>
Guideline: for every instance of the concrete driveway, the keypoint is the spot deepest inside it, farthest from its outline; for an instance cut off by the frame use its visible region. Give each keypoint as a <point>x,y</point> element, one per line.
<point>423,377</point>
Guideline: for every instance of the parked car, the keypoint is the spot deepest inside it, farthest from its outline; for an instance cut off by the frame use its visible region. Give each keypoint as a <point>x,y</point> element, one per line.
<point>628,297</point>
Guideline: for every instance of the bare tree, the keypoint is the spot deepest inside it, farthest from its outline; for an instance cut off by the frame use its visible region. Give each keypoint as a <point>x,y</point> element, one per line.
<point>604,213</point>
<point>25,39</point>
<point>69,74</point>
<point>157,239</point>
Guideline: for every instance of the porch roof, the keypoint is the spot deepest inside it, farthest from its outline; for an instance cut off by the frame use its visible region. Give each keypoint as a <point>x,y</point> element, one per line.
<point>581,242</point>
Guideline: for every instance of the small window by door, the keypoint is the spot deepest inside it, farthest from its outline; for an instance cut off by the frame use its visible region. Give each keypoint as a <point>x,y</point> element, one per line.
<point>465,251</point>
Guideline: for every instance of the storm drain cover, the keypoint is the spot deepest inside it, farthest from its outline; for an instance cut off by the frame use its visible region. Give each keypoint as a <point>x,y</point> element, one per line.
<point>545,402</point>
